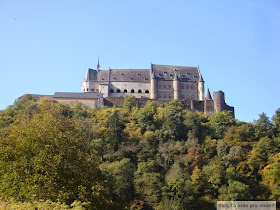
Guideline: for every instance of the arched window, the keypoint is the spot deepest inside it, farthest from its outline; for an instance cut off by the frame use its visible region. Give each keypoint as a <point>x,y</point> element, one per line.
<point>111,90</point>
<point>132,91</point>
<point>187,86</point>
<point>139,91</point>
<point>146,91</point>
<point>125,91</point>
<point>118,90</point>
<point>87,89</point>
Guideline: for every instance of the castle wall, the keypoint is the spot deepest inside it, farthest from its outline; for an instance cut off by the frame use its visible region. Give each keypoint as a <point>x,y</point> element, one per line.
<point>90,103</point>
<point>129,86</point>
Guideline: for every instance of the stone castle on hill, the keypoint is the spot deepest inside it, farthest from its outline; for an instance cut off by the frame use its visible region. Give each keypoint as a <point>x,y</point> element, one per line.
<point>159,82</point>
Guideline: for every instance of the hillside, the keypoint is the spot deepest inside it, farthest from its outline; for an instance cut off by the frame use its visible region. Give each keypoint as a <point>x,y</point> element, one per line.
<point>153,157</point>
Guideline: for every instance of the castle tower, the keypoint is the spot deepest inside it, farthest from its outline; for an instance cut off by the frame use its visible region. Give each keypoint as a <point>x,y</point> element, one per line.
<point>176,86</point>
<point>219,101</point>
<point>154,91</point>
<point>200,86</point>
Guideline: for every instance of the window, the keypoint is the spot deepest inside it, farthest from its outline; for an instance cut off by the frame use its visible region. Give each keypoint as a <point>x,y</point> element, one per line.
<point>132,91</point>
<point>125,91</point>
<point>112,90</point>
<point>92,90</point>
<point>188,97</point>
<point>159,86</point>
<point>169,86</point>
<point>159,96</point>
<point>169,96</point>
<point>118,90</point>
<point>87,89</point>
<point>97,90</point>
<point>146,91</point>
<point>192,97</point>
<point>182,86</point>
<point>192,87</point>
<point>187,86</point>
<point>139,91</point>
<point>164,86</point>
<point>164,96</point>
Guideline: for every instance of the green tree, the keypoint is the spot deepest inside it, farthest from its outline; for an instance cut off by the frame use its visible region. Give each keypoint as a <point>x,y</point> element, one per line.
<point>220,122</point>
<point>173,125</point>
<point>122,173</point>
<point>45,157</point>
<point>263,127</point>
<point>235,191</point>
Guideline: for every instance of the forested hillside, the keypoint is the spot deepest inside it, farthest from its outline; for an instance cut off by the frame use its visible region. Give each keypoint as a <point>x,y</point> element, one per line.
<point>153,157</point>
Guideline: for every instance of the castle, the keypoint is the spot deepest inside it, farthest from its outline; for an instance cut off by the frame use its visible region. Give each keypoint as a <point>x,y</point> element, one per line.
<point>159,82</point>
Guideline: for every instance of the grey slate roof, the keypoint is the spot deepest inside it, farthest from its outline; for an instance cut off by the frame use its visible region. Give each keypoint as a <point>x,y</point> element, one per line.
<point>162,72</point>
<point>37,96</point>
<point>208,95</point>
<point>185,73</point>
<point>77,95</point>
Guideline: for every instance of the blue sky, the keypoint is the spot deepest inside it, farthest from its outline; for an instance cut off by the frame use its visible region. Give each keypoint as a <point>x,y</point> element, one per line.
<point>47,46</point>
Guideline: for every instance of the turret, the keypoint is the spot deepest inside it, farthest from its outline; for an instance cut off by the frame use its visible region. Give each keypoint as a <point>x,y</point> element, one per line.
<point>200,86</point>
<point>176,86</point>
<point>154,91</point>
<point>208,95</point>
<point>219,101</point>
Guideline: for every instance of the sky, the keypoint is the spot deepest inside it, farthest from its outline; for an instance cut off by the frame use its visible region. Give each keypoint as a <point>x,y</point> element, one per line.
<point>47,46</point>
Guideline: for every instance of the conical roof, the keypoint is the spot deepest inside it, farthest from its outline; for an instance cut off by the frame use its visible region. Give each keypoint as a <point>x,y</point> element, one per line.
<point>200,79</point>
<point>87,78</point>
<point>208,95</point>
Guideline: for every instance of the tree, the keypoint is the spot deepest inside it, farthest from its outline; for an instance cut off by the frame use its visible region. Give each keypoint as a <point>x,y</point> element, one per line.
<point>45,157</point>
<point>276,121</point>
<point>219,122</point>
<point>145,116</point>
<point>115,130</point>
<point>263,127</point>
<point>122,174</point>
<point>173,125</point>
<point>271,177</point>
<point>235,191</point>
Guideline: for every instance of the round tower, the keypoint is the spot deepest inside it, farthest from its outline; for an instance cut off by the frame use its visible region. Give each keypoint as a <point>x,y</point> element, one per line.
<point>219,101</point>
<point>176,87</point>
<point>154,94</point>
<point>200,86</point>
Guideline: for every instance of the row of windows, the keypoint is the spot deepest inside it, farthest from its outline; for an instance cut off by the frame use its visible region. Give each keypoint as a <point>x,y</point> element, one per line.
<point>187,86</point>
<point>183,86</point>
<point>92,90</point>
<point>125,91</point>
<point>169,96</point>
<point>164,86</point>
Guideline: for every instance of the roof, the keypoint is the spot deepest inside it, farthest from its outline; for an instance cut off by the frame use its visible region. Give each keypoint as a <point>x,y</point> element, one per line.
<point>167,72</point>
<point>38,96</point>
<point>161,72</point>
<point>77,95</point>
<point>208,95</point>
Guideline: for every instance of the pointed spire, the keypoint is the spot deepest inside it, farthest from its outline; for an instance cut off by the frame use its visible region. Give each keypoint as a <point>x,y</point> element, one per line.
<point>200,79</point>
<point>98,65</point>
<point>208,95</point>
